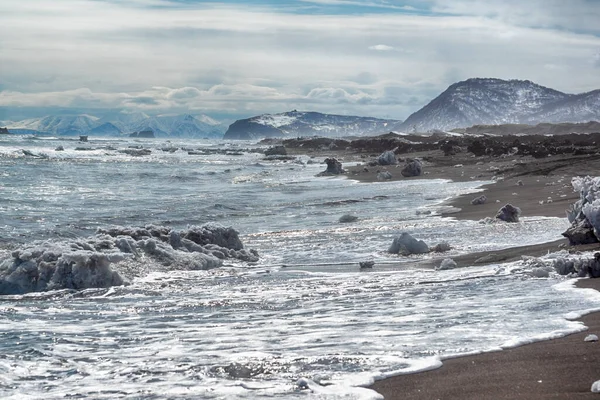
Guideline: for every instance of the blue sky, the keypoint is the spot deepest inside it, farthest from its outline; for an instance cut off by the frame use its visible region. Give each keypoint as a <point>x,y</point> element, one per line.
<point>234,59</point>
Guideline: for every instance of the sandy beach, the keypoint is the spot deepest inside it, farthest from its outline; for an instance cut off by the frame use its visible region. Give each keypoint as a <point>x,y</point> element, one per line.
<point>563,368</point>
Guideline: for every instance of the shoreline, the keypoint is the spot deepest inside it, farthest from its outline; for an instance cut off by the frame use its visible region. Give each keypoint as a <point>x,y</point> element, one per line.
<point>563,368</point>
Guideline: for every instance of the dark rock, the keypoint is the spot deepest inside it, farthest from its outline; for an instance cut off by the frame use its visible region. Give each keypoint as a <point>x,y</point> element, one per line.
<point>387,158</point>
<point>276,151</point>
<point>509,213</point>
<point>405,244</point>
<point>366,264</point>
<point>580,232</point>
<point>4,131</point>
<point>412,168</point>
<point>334,167</point>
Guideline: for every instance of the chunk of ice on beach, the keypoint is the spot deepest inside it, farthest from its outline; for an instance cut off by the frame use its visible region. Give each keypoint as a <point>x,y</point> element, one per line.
<point>596,387</point>
<point>591,338</point>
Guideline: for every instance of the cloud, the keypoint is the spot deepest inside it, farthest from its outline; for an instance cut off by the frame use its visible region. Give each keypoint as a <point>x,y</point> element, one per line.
<point>381,47</point>
<point>158,55</point>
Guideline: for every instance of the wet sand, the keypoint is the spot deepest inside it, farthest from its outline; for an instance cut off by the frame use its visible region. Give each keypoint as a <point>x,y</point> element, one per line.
<point>562,368</point>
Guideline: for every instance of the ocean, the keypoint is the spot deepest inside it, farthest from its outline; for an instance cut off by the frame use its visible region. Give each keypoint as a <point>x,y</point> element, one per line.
<point>304,321</point>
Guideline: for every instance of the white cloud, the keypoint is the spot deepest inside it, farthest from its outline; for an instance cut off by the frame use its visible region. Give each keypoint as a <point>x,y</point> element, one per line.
<point>245,60</point>
<point>381,47</point>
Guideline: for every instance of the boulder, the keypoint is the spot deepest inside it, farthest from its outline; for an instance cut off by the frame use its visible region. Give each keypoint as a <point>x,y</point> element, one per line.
<point>580,232</point>
<point>509,213</point>
<point>366,264</point>
<point>276,151</point>
<point>412,168</point>
<point>387,158</point>
<point>442,247</point>
<point>405,244</point>
<point>334,167</point>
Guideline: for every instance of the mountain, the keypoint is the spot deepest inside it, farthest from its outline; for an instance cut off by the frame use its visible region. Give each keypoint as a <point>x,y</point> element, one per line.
<point>298,123</point>
<point>575,108</point>
<point>180,126</point>
<point>487,101</point>
<point>106,129</point>
<point>57,125</point>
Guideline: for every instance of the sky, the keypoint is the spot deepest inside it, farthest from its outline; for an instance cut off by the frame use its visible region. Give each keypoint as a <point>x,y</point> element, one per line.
<point>235,59</point>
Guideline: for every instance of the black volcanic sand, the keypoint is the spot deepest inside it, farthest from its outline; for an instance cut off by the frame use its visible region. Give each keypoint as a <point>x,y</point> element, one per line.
<point>562,368</point>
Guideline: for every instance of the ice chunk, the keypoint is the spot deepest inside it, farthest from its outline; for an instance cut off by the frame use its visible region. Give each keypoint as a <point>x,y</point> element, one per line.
<point>98,261</point>
<point>591,338</point>
<point>447,263</point>
<point>596,387</point>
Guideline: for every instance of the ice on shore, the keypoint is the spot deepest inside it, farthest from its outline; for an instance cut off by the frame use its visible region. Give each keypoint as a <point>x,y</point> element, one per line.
<point>114,255</point>
<point>596,387</point>
<point>584,215</point>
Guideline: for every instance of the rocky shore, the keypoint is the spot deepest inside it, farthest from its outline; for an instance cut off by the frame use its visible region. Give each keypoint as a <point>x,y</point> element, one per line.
<point>533,173</point>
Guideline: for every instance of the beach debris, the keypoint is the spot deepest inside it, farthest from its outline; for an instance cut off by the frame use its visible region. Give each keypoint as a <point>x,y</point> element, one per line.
<point>442,247</point>
<point>447,263</point>
<point>60,148</point>
<point>519,183</point>
<point>276,151</point>
<point>591,338</point>
<point>387,158</point>
<point>405,244</point>
<point>423,212</point>
<point>366,264</point>
<point>412,168</point>
<point>348,218</point>
<point>384,176</point>
<point>334,167</point>
<point>596,387</point>
<point>509,213</point>
<point>479,200</point>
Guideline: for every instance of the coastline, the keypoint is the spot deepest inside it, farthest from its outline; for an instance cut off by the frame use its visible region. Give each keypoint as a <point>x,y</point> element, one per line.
<point>563,368</point>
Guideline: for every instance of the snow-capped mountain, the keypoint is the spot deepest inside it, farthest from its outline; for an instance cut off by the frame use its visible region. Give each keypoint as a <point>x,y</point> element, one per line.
<point>187,126</point>
<point>576,108</point>
<point>179,126</point>
<point>485,101</point>
<point>298,123</point>
<point>57,125</point>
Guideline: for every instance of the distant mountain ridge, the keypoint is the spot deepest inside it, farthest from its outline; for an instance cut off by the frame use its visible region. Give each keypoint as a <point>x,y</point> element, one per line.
<point>489,101</point>
<point>186,125</point>
<point>306,123</point>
